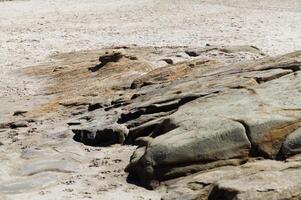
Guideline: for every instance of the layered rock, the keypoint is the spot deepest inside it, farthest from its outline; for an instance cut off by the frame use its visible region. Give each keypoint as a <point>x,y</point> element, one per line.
<point>247,120</point>
<point>259,179</point>
<point>202,111</point>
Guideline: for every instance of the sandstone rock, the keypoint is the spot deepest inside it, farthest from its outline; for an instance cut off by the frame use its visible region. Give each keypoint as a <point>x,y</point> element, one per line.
<point>259,179</point>
<point>250,120</point>
<point>200,112</point>
<point>211,116</point>
<point>263,185</point>
<point>214,139</point>
<point>104,59</point>
<point>225,49</point>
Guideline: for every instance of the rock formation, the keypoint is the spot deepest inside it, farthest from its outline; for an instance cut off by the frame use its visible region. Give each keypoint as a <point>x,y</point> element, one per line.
<point>209,123</point>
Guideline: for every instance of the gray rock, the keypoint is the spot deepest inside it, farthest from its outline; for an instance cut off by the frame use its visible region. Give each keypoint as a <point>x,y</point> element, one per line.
<point>257,179</point>
<point>292,144</point>
<point>209,115</point>
<point>245,121</point>
<point>271,185</point>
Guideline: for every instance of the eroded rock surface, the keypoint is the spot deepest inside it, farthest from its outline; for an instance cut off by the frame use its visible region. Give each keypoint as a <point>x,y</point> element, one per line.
<point>246,118</point>
<point>208,123</point>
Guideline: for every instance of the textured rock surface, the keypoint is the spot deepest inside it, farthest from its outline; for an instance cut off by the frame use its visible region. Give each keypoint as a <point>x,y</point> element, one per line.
<point>200,123</point>
<point>100,98</point>
<point>245,118</point>
<point>260,179</point>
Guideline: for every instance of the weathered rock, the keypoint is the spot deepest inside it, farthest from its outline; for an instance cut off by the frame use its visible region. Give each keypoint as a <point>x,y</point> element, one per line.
<point>258,179</point>
<point>248,121</point>
<point>213,139</point>
<point>108,57</point>
<point>292,144</point>
<point>225,49</point>
<point>201,113</point>
<point>101,137</point>
<point>283,184</point>
<point>18,124</point>
<point>170,73</point>
<point>19,112</point>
